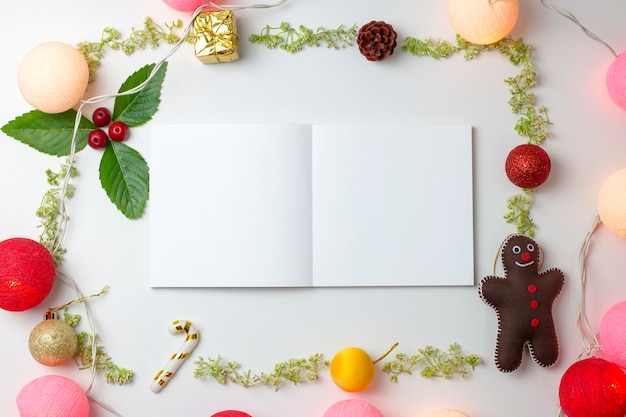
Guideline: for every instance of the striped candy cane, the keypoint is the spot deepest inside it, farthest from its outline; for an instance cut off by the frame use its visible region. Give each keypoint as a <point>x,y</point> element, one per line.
<point>164,375</point>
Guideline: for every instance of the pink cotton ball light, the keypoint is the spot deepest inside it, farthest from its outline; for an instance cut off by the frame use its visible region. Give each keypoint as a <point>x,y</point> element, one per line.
<point>52,396</point>
<point>352,408</point>
<point>53,77</point>
<point>447,412</point>
<point>616,80</point>
<point>186,5</point>
<point>613,334</point>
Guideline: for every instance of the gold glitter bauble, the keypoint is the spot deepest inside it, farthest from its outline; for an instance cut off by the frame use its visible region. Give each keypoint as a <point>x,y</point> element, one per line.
<point>53,342</point>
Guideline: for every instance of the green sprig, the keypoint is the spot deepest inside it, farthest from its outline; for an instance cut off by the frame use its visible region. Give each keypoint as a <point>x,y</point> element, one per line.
<point>435,363</point>
<point>50,213</point>
<point>151,35</point>
<point>296,371</point>
<point>85,359</point>
<point>293,39</point>
<point>519,206</point>
<point>533,122</point>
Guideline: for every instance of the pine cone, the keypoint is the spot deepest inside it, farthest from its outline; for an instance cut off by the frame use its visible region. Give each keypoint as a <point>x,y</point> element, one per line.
<point>376,40</point>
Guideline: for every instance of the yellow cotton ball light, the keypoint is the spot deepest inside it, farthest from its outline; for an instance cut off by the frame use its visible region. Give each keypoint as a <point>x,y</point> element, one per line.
<point>612,203</point>
<point>53,76</point>
<point>483,22</point>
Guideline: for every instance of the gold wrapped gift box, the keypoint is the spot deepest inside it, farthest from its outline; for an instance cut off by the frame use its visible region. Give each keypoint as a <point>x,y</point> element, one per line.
<point>215,37</point>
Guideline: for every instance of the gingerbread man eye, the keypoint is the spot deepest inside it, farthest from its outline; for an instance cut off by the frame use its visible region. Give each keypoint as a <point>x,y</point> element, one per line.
<point>516,249</point>
<point>530,247</point>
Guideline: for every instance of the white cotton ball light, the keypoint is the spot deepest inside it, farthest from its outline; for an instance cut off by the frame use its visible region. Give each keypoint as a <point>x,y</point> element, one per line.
<point>53,77</point>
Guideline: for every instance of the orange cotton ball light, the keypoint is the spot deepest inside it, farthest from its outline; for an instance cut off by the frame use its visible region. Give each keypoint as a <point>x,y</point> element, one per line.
<point>27,273</point>
<point>52,396</point>
<point>483,22</point>
<point>616,80</point>
<point>612,203</point>
<point>53,77</point>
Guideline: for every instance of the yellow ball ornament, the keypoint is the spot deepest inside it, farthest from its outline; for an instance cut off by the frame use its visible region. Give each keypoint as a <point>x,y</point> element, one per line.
<point>612,203</point>
<point>352,369</point>
<point>483,22</point>
<point>53,77</point>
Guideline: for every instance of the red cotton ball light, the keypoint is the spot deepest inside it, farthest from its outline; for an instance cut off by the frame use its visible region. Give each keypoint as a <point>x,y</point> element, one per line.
<point>231,413</point>
<point>593,387</point>
<point>527,166</point>
<point>613,334</point>
<point>52,396</point>
<point>27,272</point>
<point>616,80</point>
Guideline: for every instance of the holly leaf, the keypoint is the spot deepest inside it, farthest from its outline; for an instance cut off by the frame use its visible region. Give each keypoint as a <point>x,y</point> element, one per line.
<point>124,175</point>
<point>138,108</point>
<point>49,133</point>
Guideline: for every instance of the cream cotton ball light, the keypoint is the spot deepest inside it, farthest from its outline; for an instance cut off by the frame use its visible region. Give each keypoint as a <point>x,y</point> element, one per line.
<point>483,22</point>
<point>612,202</point>
<point>53,77</point>
<point>447,412</point>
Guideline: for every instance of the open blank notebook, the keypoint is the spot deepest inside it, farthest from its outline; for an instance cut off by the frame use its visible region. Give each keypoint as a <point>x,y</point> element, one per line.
<point>284,205</point>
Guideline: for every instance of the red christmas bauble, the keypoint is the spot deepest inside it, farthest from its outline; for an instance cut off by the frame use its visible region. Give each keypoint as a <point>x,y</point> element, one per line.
<point>527,166</point>
<point>593,387</point>
<point>231,413</point>
<point>27,273</point>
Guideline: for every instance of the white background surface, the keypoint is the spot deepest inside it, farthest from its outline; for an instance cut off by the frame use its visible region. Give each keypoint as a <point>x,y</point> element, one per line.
<point>261,327</point>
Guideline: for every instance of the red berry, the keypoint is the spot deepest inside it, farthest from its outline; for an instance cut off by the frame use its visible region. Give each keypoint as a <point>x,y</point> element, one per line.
<point>101,116</point>
<point>97,139</point>
<point>118,131</point>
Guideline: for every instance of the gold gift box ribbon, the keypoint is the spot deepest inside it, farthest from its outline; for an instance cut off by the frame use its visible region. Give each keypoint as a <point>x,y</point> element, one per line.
<point>215,37</point>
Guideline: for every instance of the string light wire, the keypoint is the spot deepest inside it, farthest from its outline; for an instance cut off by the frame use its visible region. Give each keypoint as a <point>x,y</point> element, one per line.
<point>568,15</point>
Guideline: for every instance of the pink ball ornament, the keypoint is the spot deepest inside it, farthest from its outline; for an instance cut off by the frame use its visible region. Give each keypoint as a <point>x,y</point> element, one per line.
<point>446,412</point>
<point>52,396</point>
<point>613,334</point>
<point>352,408</point>
<point>53,77</point>
<point>593,388</point>
<point>616,80</point>
<point>186,5</point>
<point>27,273</point>
<point>231,413</point>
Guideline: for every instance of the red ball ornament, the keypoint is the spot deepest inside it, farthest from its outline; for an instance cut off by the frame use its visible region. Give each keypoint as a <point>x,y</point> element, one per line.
<point>527,166</point>
<point>231,413</point>
<point>27,273</point>
<point>593,388</point>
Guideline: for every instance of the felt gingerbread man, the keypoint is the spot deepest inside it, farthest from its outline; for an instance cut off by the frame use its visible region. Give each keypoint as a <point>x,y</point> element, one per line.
<point>523,301</point>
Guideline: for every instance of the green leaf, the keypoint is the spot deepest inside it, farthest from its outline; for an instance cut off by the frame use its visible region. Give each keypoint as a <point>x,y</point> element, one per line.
<point>124,175</point>
<point>49,133</point>
<point>136,109</point>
